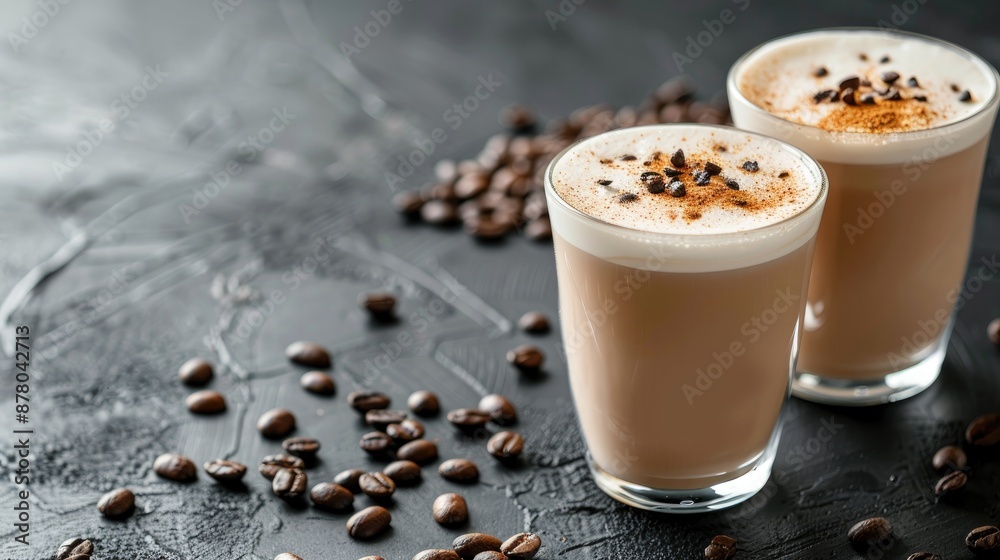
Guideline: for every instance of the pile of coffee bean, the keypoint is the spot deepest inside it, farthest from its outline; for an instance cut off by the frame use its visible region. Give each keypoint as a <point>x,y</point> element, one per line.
<point>501,189</point>
<point>981,434</point>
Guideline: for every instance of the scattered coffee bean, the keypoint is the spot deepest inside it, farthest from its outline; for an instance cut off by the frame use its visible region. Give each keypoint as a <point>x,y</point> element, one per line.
<point>852,83</point>
<point>912,82</point>
<point>669,172</point>
<point>468,419</point>
<point>380,418</point>
<point>423,403</point>
<point>308,354</point>
<point>369,522</point>
<point>750,166</point>
<point>848,96</point>
<point>826,94</point>
<point>820,72</point>
<point>950,456</point>
<point>363,401</point>
<point>206,402</point>
<point>923,556</point>
<point>965,96</point>
<point>950,482</point>
<point>490,555</point>
<point>331,496</point>
<point>408,203</point>
<point>506,446</point>
<point>892,94</point>
<point>377,485</point>
<point>870,532</point>
<point>403,473</point>
<point>984,541</point>
<point>289,484</point>
<point>376,444</point>
<point>436,554</point>
<point>654,182</point>
<point>470,545</point>
<point>604,182</point>
<point>116,503</point>
<point>628,157</point>
<point>526,358</point>
<point>677,189</point>
<point>868,99</point>
<point>195,372</point>
<point>318,382</point>
<point>885,59</point>
<point>381,305</point>
<point>732,184</point>
<point>225,471</point>
<point>889,77</point>
<point>271,464</point>
<point>522,546</point>
<point>984,431</point>
<point>450,510</point>
<point>628,197</point>
<point>471,185</point>
<point>405,431</point>
<point>276,423</point>
<point>487,228</point>
<point>303,447</point>
<point>783,175</point>
<point>540,229</point>
<point>287,556</point>
<point>439,213</point>
<point>421,452</point>
<point>176,467</point>
<point>722,547</point>
<point>77,548</point>
<point>701,178</point>
<point>993,331</point>
<point>499,409</point>
<point>349,479</point>
<point>677,159</point>
<point>459,470</point>
<point>534,322</point>
<point>712,169</point>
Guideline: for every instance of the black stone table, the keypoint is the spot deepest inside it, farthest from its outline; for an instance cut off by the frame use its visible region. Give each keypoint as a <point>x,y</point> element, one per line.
<point>206,178</point>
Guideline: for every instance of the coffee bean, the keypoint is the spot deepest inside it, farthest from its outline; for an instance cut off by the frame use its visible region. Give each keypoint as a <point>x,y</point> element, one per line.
<point>490,555</point>
<point>331,496</point>
<point>408,203</point>
<point>499,409</point>
<point>505,446</point>
<point>276,423</point>
<point>173,466</point>
<point>984,431</point>
<point>534,322</point>
<point>443,192</point>
<point>376,444</point>
<point>677,189</point>
<point>403,473</point>
<point>539,229</point>
<point>439,213</point>
<point>820,72</point>
<point>420,451</point>
<point>195,372</point>
<point>950,482</point>
<point>289,483</point>
<point>377,485</point>
<point>206,402</point>
<point>826,94</point>
<point>468,419</point>
<point>225,471</point>
<point>308,354</point>
<point>372,558</point>
<point>301,447</point>
<point>848,96</point>
<point>701,178</point>
<point>405,431</point>
<point>380,305</point>
<point>923,556</point>
<point>450,510</point>
<point>677,160</point>
<point>363,401</point>
<point>424,403</point>
<point>318,382</point>
<point>852,82</point>
<point>459,470</point>
<point>712,169</point>
<point>116,503</point>
<point>722,547</point>
<point>518,119</point>
<point>486,228</point>
<point>75,548</point>
<point>369,522</point>
<point>965,96</point>
<point>993,331</point>
<point>870,532</point>
<point>522,546</point>
<point>381,418</point>
<point>526,358</point>
<point>654,182</point>
<point>271,464</point>
<point>436,554</point>
<point>889,77</point>
<point>469,545</point>
<point>349,479</point>
<point>984,541</point>
<point>732,184</point>
<point>287,556</point>
<point>950,456</point>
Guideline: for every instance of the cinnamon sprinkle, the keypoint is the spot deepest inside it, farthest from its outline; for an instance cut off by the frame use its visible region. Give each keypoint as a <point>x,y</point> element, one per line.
<point>881,118</point>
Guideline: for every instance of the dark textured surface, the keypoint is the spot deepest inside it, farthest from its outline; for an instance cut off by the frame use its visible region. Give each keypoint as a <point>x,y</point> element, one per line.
<point>146,289</point>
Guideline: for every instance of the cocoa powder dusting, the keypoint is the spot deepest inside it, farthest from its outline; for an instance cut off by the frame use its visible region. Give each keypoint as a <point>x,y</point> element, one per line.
<point>881,118</point>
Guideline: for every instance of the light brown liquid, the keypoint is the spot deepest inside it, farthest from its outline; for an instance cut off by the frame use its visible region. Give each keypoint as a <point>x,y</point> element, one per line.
<point>882,302</point>
<point>634,339</point>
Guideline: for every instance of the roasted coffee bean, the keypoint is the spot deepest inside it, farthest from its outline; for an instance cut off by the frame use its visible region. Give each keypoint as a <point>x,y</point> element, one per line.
<point>984,431</point>
<point>984,541</point>
<point>195,372</point>
<point>287,556</point>
<point>892,94</point>
<point>732,184</point>
<point>950,456</point>
<point>308,354</point>
<point>468,419</point>
<point>868,98</point>
<point>534,322</point>
<point>852,82</point>
<point>381,418</point>
<point>376,444</point>
<point>408,203</point>
<point>870,532</point>
<point>349,479</point>
<point>377,485</point>
<point>405,431</point>
<point>318,382</point>
<point>225,471</point>
<point>439,213</point>
<point>420,451</point>
<point>380,305</point>
<point>712,169</point>
<point>116,503</point>
<point>372,558</point>
<point>271,464</point>
<point>206,402</point>
<point>403,473</point>
<point>826,94</point>
<point>820,72</point>
<point>677,189</point>
<point>993,331</point>
<point>473,184</point>
<point>459,470</point>
<point>670,172</point>
<point>301,447</point>
<point>950,482</point>
<point>518,119</point>
<point>965,96</point>
<point>469,545</point>
<point>289,483</point>
<point>424,403</point>
<point>490,555</point>
<point>176,467</point>
<point>487,228</point>
<point>889,77</point>
<point>369,522</point>
<point>923,556</point>
<point>450,510</point>
<point>443,192</point>
<point>363,401</point>
<point>436,554</point>
<point>77,548</point>
<point>751,166</point>
<point>276,423</point>
<point>506,446</point>
<point>912,82</point>
<point>654,182</point>
<point>848,96</point>
<point>677,160</point>
<point>539,230</point>
<point>331,496</point>
<point>722,547</point>
<point>523,546</point>
<point>499,408</point>
<point>701,178</point>
<point>526,358</point>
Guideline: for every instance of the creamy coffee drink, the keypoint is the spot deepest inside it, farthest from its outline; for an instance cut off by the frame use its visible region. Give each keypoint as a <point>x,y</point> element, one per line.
<point>682,254</point>
<point>901,124</point>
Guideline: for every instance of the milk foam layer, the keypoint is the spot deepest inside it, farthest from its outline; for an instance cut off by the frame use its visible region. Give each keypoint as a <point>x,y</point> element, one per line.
<point>713,227</point>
